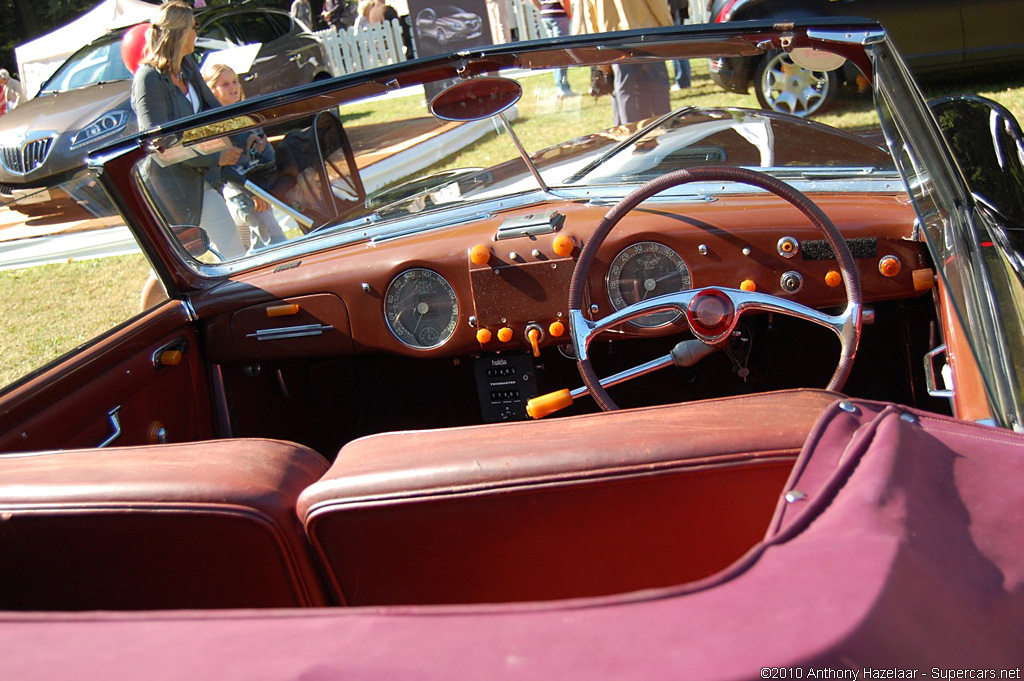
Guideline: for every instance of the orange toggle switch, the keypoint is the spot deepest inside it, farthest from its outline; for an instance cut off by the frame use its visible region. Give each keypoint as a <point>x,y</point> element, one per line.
<point>542,405</point>
<point>483,336</point>
<point>563,245</point>
<point>534,336</point>
<point>748,285</point>
<point>924,279</point>
<point>556,329</point>
<point>480,254</point>
<point>833,278</point>
<point>889,266</point>
<point>170,358</point>
<point>283,310</point>
<point>504,334</point>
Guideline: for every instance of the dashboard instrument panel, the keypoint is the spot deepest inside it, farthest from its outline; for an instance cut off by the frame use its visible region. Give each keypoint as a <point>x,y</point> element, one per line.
<point>646,270</point>
<point>421,308</point>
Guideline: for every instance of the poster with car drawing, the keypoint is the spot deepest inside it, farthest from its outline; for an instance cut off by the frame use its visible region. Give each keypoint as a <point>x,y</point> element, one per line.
<point>440,27</point>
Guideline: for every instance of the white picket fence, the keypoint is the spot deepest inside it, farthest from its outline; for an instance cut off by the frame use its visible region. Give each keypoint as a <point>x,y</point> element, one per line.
<point>350,51</point>
<point>381,44</point>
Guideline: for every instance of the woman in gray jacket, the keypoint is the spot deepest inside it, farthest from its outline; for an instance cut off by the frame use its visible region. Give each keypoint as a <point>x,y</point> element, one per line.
<point>168,86</point>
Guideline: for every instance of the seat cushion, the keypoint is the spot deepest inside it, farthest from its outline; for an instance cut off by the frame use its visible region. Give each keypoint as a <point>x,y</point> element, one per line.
<point>580,506</point>
<point>198,525</point>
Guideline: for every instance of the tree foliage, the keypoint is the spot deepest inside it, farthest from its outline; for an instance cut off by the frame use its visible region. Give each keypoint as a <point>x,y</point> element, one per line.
<point>23,20</point>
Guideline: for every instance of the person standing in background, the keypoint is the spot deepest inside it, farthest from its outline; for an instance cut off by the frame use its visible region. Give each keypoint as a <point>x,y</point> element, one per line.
<point>362,21</point>
<point>640,90</point>
<point>556,22</point>
<point>10,91</point>
<point>167,87</point>
<point>302,12</point>
<point>252,214</point>
<point>680,67</point>
<point>336,14</point>
<point>379,12</point>
<point>497,12</point>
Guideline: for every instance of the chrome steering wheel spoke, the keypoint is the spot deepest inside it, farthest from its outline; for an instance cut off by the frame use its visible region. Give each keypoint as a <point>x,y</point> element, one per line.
<point>712,313</point>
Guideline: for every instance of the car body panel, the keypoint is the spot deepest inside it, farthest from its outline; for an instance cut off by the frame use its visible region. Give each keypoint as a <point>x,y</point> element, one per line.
<point>71,405</point>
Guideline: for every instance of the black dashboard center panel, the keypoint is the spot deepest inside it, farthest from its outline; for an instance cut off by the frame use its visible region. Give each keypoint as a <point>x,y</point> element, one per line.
<point>505,383</point>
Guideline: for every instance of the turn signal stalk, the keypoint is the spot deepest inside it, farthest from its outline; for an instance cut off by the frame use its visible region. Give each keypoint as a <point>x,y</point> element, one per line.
<point>542,405</point>
<point>684,354</point>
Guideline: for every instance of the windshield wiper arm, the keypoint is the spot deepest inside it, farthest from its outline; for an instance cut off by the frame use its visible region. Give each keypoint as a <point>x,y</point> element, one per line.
<point>580,174</point>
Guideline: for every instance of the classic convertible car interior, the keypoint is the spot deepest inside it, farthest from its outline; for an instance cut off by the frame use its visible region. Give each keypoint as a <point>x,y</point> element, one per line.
<point>512,352</point>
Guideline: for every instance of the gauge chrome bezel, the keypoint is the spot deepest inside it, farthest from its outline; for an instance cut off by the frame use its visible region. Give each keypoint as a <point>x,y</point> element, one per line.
<point>391,299</point>
<point>615,297</point>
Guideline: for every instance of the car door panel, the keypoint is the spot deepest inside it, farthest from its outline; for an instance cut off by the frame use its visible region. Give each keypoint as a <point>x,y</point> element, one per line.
<point>987,36</point>
<point>941,43</point>
<point>73,402</point>
<point>268,69</point>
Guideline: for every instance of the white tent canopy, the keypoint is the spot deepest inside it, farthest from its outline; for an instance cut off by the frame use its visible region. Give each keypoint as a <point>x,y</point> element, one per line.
<point>41,57</point>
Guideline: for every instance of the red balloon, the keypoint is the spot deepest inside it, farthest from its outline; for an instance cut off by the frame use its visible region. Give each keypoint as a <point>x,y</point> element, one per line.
<point>133,46</point>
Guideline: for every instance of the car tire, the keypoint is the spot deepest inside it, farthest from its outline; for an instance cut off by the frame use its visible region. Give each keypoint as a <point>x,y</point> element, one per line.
<point>781,85</point>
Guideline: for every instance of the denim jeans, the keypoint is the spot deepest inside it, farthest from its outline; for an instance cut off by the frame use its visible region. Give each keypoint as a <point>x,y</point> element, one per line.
<point>559,26</point>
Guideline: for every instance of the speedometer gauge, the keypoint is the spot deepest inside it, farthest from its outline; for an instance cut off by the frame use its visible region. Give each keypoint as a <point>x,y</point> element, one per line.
<point>647,270</point>
<point>421,308</point>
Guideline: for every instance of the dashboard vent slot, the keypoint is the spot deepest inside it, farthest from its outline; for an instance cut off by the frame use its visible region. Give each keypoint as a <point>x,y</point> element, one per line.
<point>530,225</point>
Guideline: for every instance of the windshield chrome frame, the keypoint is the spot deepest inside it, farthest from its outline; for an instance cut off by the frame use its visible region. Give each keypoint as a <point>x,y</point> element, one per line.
<point>973,292</point>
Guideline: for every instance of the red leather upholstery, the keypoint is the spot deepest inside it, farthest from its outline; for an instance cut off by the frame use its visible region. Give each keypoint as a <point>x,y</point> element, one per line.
<point>200,525</point>
<point>581,506</point>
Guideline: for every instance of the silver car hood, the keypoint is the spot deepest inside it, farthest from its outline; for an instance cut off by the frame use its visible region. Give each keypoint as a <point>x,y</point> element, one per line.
<point>64,111</point>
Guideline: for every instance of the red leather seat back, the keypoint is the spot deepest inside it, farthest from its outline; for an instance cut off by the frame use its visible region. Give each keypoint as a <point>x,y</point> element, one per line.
<point>574,507</point>
<point>200,525</point>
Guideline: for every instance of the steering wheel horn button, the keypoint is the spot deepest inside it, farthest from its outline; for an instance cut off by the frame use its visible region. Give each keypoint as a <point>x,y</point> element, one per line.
<point>711,314</point>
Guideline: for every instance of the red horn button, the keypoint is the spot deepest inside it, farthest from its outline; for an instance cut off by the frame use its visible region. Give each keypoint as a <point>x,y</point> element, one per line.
<point>710,313</point>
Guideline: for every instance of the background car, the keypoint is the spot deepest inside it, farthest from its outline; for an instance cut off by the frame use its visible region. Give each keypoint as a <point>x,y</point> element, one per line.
<point>932,35</point>
<point>44,142</point>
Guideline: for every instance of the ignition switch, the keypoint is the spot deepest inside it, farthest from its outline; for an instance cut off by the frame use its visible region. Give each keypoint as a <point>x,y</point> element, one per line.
<point>791,282</point>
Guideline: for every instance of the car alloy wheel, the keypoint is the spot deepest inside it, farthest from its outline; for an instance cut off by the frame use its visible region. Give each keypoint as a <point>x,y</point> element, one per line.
<point>781,85</point>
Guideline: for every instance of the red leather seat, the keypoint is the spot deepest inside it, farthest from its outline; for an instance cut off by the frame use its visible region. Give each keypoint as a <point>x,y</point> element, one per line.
<point>199,525</point>
<point>581,506</point>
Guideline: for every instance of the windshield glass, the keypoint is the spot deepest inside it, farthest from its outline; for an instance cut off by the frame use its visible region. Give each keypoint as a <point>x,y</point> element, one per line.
<point>365,157</point>
<point>96,63</point>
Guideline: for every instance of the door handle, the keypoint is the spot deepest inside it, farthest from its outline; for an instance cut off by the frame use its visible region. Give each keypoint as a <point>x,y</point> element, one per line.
<point>115,423</point>
<point>930,374</point>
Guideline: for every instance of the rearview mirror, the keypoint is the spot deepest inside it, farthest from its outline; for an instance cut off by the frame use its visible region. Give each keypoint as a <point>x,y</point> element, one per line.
<point>476,99</point>
<point>194,240</point>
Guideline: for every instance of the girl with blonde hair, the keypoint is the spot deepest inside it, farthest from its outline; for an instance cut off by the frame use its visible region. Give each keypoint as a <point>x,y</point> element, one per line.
<point>251,214</point>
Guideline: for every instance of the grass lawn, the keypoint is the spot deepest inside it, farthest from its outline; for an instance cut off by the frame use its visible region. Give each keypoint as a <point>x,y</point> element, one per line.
<point>47,311</point>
